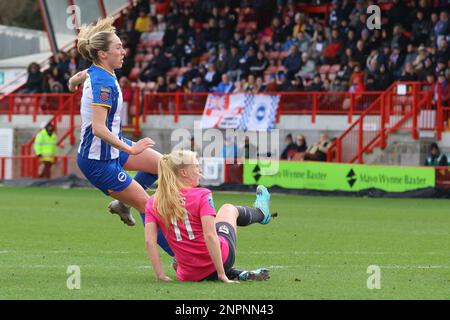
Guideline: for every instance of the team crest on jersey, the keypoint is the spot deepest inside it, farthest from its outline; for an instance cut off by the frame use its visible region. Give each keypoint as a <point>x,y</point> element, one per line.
<point>122,176</point>
<point>105,93</point>
<point>224,229</point>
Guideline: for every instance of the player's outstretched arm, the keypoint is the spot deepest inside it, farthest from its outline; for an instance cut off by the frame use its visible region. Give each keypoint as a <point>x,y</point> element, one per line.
<point>151,235</point>
<point>99,129</point>
<point>212,242</point>
<point>76,80</point>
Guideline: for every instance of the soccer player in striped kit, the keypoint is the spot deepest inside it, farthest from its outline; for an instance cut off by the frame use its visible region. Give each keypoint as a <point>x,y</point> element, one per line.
<point>103,153</point>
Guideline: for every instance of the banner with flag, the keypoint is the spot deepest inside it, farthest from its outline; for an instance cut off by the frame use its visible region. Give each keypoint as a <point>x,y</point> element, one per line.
<point>244,111</point>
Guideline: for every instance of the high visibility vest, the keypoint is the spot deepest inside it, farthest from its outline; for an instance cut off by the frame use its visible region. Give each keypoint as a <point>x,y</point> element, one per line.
<point>45,145</point>
<point>435,161</point>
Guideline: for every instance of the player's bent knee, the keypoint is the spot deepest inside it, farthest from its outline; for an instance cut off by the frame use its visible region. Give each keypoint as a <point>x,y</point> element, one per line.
<point>228,209</point>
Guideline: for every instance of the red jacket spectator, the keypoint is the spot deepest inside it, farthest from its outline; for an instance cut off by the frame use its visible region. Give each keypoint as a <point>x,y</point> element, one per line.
<point>162,7</point>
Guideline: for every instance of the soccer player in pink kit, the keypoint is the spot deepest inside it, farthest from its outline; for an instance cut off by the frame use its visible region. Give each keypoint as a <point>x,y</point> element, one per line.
<point>204,242</point>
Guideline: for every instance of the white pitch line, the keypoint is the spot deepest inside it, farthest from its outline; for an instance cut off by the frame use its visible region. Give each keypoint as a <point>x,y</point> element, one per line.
<point>339,253</point>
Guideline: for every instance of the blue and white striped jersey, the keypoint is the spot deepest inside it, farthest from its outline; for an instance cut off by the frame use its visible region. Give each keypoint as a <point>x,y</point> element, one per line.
<point>101,90</point>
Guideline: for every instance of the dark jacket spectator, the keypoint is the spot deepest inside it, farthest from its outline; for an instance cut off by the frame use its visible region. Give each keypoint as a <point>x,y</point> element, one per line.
<point>293,62</point>
<point>421,29</point>
<point>260,65</point>
<point>435,157</point>
<point>398,13</point>
<point>35,78</point>
<point>291,147</point>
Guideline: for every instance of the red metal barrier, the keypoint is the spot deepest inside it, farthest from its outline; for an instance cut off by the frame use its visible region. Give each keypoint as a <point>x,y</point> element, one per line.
<point>28,166</point>
<point>393,110</point>
<point>39,104</point>
<point>309,103</point>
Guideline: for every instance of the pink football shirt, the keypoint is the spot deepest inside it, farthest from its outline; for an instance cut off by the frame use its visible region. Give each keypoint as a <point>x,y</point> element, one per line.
<point>186,237</point>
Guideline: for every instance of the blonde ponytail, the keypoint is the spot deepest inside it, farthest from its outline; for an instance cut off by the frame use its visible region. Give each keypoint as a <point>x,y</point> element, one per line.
<point>168,202</point>
<point>93,38</point>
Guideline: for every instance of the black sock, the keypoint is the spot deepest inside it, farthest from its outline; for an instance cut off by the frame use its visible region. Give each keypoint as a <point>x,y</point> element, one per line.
<point>248,216</point>
<point>233,274</point>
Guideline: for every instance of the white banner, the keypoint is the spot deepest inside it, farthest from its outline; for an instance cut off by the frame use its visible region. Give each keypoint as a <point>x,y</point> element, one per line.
<point>223,111</point>
<point>260,112</point>
<point>240,111</point>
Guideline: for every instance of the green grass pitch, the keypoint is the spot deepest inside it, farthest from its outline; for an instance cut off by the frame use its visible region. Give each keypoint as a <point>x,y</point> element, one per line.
<point>317,248</point>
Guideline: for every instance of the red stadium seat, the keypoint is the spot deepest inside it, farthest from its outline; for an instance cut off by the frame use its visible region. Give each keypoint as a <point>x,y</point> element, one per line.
<point>134,74</point>
<point>139,57</point>
<point>335,68</point>
<point>274,55</point>
<point>324,69</point>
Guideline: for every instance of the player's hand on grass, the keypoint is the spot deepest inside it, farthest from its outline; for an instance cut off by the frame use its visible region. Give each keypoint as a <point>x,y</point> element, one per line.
<point>225,279</point>
<point>141,145</point>
<point>164,278</point>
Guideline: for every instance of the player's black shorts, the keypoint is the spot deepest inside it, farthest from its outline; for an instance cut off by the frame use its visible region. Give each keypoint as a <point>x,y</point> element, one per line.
<point>226,230</point>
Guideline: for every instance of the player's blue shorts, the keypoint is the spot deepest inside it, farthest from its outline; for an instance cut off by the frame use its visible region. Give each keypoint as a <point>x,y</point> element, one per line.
<point>107,175</point>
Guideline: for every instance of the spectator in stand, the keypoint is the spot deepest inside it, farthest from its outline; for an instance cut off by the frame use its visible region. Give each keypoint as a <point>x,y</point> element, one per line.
<point>396,61</point>
<point>292,62</point>
<point>398,13</point>
<point>224,34</point>
<point>435,157</point>
<point>161,85</point>
<point>260,84</point>
<point>430,81</point>
<point>442,27</point>
<point>34,80</point>
<point>222,59</point>
<point>308,67</point>
<point>411,54</point>
<point>271,84</point>
<point>382,79</point>
<point>251,85</point>
<point>232,63</point>
<point>143,22</point>
<point>350,41</point>
<point>127,93</point>
<point>302,146</point>
<point>426,69</point>
<point>260,65</point>
<point>398,38</point>
<point>336,85</point>
<point>408,73</point>
<point>199,85</point>
<point>247,61</point>
<point>316,85</point>
<point>277,32</point>
<point>318,44</point>
<point>421,29</point>
<point>212,77</point>
<point>360,53</point>
<point>318,151</point>
<point>334,49</point>
<point>226,86</point>
<point>445,90</point>
<point>159,66</point>
<point>63,63</point>
<point>418,62</point>
<point>443,52</point>
<point>290,149</point>
<point>74,62</point>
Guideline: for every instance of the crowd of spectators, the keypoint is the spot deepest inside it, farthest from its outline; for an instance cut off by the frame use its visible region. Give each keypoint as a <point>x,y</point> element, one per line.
<point>229,46</point>
<point>267,46</point>
<point>54,79</point>
<point>299,150</point>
